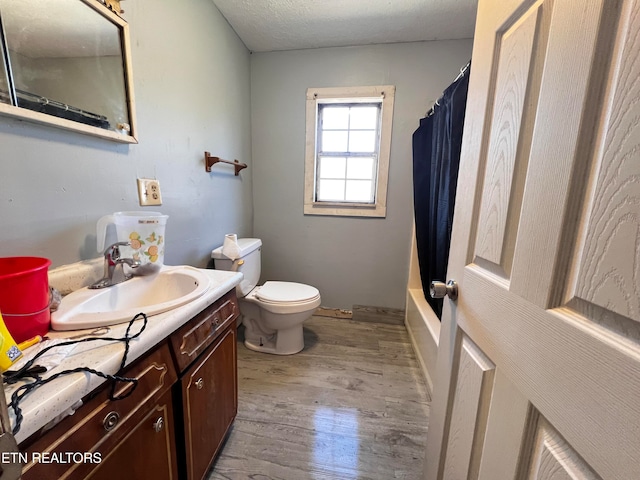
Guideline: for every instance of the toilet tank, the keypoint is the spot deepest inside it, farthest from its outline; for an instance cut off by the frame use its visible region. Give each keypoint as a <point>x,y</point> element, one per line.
<point>250,253</point>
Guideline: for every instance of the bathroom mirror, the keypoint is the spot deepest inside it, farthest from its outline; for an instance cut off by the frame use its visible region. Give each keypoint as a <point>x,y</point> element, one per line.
<point>67,64</point>
<point>4,81</point>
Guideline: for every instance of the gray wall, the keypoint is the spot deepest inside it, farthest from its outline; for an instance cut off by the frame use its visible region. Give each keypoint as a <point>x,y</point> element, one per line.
<point>192,89</point>
<point>350,260</point>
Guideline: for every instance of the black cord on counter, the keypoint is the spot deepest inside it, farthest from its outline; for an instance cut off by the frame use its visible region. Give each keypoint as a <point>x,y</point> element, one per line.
<point>23,390</point>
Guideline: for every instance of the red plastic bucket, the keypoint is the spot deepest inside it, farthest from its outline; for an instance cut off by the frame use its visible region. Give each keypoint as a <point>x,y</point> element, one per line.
<point>24,296</point>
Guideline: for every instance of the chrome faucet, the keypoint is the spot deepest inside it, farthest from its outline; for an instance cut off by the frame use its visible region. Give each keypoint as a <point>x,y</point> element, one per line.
<point>112,261</point>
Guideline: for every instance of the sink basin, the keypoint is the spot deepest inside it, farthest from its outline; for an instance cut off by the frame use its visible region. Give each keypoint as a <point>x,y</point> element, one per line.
<point>172,287</point>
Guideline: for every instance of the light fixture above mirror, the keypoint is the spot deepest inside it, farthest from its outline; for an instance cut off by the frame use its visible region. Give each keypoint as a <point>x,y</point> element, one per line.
<point>67,63</point>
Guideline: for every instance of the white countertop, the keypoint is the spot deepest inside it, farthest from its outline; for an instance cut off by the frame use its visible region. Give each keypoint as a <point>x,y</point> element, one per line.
<point>49,401</point>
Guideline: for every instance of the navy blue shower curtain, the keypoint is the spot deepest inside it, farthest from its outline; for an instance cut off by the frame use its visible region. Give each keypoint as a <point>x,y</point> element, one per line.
<point>436,157</point>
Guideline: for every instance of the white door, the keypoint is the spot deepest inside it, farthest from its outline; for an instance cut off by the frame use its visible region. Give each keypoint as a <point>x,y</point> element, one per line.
<point>538,371</point>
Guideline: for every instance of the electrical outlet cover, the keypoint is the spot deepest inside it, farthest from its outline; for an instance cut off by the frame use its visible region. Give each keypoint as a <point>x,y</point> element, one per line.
<point>149,191</point>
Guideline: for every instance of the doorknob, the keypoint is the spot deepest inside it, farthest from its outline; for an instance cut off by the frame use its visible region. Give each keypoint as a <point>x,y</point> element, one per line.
<point>441,289</point>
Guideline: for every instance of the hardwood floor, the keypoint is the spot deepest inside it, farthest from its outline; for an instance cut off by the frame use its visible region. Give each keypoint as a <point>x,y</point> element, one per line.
<point>353,404</point>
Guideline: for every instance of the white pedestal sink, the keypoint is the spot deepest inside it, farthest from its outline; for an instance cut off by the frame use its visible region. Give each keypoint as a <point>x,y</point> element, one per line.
<point>172,287</point>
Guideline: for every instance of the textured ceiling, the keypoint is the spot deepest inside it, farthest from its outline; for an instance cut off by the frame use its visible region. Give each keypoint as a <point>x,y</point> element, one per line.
<point>266,25</point>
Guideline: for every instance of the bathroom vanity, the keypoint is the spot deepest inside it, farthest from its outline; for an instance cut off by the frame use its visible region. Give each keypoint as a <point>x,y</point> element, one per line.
<point>173,423</point>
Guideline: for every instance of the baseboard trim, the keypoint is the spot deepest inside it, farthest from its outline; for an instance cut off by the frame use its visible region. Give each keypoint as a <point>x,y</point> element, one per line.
<point>390,316</point>
<point>333,313</point>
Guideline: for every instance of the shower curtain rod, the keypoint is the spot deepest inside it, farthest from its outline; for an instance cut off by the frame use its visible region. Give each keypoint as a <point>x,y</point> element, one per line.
<point>463,72</point>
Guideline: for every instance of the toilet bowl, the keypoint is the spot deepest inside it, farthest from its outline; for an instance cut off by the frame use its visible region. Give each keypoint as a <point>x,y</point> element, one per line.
<point>275,326</point>
<point>273,313</point>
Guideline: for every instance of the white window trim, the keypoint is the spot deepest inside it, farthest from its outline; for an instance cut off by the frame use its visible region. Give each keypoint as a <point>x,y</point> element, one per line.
<point>340,95</point>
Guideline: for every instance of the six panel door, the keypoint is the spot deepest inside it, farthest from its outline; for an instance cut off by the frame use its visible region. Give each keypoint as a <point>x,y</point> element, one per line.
<point>539,358</point>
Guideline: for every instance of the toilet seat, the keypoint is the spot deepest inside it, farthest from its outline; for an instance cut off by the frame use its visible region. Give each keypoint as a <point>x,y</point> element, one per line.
<point>285,297</point>
<point>286,292</point>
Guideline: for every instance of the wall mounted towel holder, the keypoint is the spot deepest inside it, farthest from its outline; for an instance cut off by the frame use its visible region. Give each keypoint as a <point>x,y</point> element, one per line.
<point>209,161</point>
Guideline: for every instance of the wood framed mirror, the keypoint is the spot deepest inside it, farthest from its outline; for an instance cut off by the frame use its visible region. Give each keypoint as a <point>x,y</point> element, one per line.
<point>67,64</point>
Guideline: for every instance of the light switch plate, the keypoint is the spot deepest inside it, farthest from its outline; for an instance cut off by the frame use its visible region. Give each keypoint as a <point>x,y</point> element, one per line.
<point>149,191</point>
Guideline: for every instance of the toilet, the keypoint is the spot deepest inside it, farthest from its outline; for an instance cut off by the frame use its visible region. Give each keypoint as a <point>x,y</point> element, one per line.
<point>274,312</point>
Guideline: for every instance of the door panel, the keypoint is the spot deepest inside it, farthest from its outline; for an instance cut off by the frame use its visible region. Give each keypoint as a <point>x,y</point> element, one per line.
<point>608,274</point>
<point>539,358</point>
<point>503,186</point>
<point>506,427</point>
<point>551,458</point>
<point>568,100</point>
<point>578,375</point>
<point>470,409</point>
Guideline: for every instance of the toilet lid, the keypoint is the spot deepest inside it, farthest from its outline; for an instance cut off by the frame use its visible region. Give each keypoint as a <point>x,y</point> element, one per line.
<point>284,292</point>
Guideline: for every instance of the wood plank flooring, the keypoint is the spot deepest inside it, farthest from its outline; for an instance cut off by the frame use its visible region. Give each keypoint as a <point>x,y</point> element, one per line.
<point>352,405</point>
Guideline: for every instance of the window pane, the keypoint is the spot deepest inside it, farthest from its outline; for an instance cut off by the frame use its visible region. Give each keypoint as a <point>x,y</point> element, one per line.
<point>362,141</point>
<point>330,190</point>
<point>364,118</point>
<point>359,191</point>
<point>334,142</point>
<point>335,118</point>
<point>359,167</point>
<point>332,167</point>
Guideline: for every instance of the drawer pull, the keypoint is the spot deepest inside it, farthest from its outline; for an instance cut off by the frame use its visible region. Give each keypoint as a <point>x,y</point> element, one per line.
<point>200,383</point>
<point>158,425</point>
<point>110,421</point>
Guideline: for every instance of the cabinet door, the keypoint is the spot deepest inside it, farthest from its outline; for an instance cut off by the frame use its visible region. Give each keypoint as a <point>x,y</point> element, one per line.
<point>149,451</point>
<point>210,403</point>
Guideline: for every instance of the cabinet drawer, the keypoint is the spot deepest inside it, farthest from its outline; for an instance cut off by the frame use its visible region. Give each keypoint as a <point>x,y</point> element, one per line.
<point>101,423</point>
<point>196,335</point>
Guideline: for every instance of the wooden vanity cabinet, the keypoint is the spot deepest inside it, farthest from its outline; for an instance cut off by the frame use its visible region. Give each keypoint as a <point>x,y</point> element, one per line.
<point>207,389</point>
<point>174,422</point>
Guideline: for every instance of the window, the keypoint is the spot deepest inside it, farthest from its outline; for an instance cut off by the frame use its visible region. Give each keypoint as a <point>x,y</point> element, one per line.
<point>347,150</point>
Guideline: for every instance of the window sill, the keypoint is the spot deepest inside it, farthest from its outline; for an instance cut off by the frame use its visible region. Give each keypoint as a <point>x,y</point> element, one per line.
<point>346,209</point>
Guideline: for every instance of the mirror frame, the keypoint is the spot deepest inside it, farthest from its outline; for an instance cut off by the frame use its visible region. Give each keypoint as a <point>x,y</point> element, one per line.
<point>45,119</point>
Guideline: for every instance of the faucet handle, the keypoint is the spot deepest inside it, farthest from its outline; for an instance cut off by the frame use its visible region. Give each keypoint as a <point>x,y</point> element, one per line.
<point>113,250</point>
<point>111,261</point>
<point>119,244</point>
<point>112,255</point>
